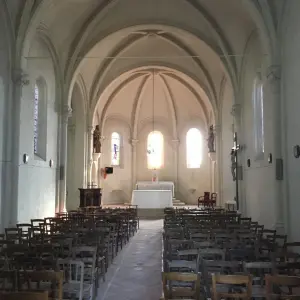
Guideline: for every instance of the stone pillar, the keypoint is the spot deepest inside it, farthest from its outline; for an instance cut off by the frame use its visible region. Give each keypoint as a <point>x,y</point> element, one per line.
<point>90,155</point>
<point>134,143</point>
<point>175,149</point>
<point>272,86</point>
<point>236,113</point>
<point>213,158</point>
<point>66,114</point>
<point>218,164</point>
<point>95,169</point>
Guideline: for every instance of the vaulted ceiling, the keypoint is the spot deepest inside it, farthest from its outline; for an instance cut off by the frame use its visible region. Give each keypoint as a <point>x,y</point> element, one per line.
<point>100,40</point>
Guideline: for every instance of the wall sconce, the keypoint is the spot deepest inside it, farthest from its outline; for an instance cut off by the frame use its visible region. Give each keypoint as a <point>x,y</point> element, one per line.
<point>25,158</point>
<point>51,163</point>
<point>270,158</point>
<point>297,151</point>
<point>249,162</point>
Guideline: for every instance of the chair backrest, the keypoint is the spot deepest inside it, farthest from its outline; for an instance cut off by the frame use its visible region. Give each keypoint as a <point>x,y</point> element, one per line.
<point>274,284</point>
<point>173,278</point>
<point>234,283</point>
<point>56,278</point>
<point>42,295</point>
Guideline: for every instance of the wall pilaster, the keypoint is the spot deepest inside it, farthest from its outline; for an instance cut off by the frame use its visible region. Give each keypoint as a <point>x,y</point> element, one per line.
<point>66,114</point>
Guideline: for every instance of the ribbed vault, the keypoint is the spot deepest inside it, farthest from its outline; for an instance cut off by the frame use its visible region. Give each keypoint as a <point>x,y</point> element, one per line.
<point>131,96</point>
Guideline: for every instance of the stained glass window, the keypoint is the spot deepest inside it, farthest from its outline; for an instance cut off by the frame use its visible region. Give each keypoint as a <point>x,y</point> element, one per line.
<point>258,113</point>
<point>155,150</point>
<point>115,149</point>
<point>194,148</point>
<point>36,119</point>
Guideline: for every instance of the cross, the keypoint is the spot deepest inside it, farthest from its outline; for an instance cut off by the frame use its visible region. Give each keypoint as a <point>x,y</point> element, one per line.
<point>235,149</point>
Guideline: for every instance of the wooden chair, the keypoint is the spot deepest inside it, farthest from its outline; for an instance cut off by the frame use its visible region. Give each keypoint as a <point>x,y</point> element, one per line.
<point>181,287</point>
<point>232,286</point>
<point>281,287</point>
<point>43,295</point>
<point>46,280</point>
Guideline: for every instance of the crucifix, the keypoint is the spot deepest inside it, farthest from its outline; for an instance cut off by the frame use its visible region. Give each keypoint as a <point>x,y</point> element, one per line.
<point>234,167</point>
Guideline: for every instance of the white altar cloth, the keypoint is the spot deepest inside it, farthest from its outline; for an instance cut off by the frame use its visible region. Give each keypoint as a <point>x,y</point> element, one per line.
<point>152,198</point>
<point>160,185</point>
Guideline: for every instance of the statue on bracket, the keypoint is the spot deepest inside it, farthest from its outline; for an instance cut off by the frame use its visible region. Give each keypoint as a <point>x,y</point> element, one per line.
<point>211,139</point>
<point>96,140</point>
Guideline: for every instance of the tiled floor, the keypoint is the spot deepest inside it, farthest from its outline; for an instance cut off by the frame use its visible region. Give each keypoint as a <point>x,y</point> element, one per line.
<point>136,273</point>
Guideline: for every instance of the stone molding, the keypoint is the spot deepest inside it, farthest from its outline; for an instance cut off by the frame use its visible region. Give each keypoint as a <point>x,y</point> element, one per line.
<point>20,78</point>
<point>236,110</point>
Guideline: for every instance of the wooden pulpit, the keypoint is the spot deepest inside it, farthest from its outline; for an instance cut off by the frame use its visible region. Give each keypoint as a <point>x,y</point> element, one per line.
<point>90,197</point>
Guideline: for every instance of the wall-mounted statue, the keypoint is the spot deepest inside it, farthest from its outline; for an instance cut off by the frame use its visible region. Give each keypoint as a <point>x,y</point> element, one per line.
<point>233,164</point>
<point>211,139</point>
<point>96,140</point>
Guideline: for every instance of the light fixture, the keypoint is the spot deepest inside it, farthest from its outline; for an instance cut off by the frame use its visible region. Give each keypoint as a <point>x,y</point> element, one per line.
<point>51,163</point>
<point>25,158</point>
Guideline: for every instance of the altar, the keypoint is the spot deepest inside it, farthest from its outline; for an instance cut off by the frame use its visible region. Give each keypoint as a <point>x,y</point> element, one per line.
<point>159,185</point>
<point>152,199</point>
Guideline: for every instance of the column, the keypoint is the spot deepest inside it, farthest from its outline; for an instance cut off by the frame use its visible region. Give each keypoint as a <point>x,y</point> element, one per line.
<point>236,113</point>
<point>134,143</point>
<point>273,83</point>
<point>218,164</point>
<point>213,158</point>
<point>175,149</point>
<point>90,155</point>
<point>95,169</point>
<point>66,114</point>
<point>237,186</point>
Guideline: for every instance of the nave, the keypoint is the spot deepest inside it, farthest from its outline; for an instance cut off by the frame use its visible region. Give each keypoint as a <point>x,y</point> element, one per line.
<point>108,254</point>
<point>136,272</point>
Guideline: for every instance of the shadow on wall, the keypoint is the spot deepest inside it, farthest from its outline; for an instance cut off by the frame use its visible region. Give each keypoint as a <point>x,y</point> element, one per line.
<point>117,197</point>
<point>187,195</point>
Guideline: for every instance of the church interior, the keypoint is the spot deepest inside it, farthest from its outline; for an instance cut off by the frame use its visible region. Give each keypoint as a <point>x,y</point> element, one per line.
<point>148,142</point>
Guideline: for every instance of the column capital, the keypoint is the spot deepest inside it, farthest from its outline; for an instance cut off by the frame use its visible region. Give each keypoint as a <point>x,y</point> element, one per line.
<point>134,142</point>
<point>66,113</point>
<point>19,77</point>
<point>91,128</point>
<point>273,76</point>
<point>236,110</point>
<point>273,72</point>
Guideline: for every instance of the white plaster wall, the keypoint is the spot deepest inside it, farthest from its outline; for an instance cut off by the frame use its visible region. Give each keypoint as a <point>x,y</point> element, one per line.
<point>176,110</point>
<point>290,113</point>
<point>37,180</point>
<point>259,180</point>
<point>117,187</point>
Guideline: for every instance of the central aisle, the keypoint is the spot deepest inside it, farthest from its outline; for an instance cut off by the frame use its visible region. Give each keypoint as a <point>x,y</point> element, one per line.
<point>136,272</point>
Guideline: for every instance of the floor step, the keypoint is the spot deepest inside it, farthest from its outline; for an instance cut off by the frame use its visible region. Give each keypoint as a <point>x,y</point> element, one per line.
<point>177,202</point>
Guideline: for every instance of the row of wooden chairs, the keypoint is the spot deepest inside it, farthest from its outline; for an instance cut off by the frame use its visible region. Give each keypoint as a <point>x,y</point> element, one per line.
<point>65,255</point>
<point>215,241</point>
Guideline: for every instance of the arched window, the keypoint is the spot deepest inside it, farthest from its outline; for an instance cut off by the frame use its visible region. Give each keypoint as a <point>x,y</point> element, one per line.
<point>115,149</point>
<point>36,119</point>
<point>155,150</point>
<point>258,114</point>
<point>194,148</point>
<point>40,120</point>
